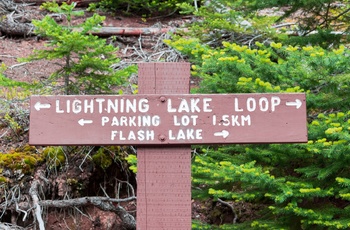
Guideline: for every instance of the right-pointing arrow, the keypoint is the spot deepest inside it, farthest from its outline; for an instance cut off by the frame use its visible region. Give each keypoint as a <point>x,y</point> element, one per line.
<point>297,103</point>
<point>223,133</point>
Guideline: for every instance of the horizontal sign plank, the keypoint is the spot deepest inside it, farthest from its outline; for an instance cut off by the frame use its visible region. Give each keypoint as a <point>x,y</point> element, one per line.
<point>168,119</point>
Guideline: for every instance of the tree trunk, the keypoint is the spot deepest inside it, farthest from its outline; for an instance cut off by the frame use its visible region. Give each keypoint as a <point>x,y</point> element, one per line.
<point>111,31</point>
<point>16,29</point>
<point>27,29</point>
<point>39,2</point>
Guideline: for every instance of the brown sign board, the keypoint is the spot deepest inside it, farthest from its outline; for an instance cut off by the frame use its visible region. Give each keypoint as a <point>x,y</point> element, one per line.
<point>168,119</point>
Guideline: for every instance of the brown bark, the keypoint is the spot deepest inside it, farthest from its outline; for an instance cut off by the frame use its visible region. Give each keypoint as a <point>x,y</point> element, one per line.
<point>27,29</point>
<point>16,29</point>
<point>111,31</point>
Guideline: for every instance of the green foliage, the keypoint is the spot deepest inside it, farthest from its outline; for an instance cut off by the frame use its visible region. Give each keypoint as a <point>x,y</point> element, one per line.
<point>132,161</point>
<point>86,59</point>
<point>323,14</point>
<point>154,7</point>
<point>324,23</point>
<point>6,82</point>
<point>299,186</point>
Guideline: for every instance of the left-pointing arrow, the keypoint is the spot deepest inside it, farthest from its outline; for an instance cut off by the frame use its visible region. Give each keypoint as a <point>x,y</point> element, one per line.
<point>82,122</point>
<point>39,106</point>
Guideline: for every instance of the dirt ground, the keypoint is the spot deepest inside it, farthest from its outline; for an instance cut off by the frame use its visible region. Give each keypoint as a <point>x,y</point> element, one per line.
<point>12,48</point>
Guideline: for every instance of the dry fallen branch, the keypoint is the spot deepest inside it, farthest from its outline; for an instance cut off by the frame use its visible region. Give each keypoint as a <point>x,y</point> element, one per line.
<point>16,29</point>
<point>235,216</point>
<point>33,192</point>
<point>103,203</point>
<point>131,31</point>
<point>7,226</point>
<point>83,201</point>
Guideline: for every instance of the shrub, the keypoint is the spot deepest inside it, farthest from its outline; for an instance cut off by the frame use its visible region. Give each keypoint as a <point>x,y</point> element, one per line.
<point>299,186</point>
<point>86,59</point>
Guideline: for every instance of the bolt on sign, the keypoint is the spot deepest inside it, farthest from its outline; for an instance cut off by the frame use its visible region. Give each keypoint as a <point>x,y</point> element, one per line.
<point>168,119</point>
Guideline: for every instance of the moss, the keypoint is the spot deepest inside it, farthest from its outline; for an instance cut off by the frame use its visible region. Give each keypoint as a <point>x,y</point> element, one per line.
<point>24,158</point>
<point>3,179</point>
<point>54,156</point>
<point>102,159</point>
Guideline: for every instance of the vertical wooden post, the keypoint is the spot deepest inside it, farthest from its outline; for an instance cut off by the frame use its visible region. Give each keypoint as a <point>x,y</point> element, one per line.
<point>164,172</point>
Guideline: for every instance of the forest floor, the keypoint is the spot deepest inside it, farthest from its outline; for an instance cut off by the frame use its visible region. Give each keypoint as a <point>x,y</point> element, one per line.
<point>132,49</point>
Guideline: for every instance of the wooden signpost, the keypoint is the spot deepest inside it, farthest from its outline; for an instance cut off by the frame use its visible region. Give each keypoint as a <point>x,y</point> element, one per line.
<point>158,119</point>
<point>164,120</point>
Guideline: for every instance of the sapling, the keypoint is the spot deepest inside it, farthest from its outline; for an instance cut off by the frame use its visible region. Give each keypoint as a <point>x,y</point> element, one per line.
<point>85,60</point>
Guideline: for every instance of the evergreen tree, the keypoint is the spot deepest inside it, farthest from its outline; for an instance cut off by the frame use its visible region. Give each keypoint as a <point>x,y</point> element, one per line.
<point>86,59</point>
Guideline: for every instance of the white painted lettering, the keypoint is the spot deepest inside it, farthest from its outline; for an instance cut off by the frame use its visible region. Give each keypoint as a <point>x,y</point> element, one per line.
<point>131,136</point>
<point>237,108</point>
<point>146,120</point>
<point>123,121</point>
<point>199,134</point>
<point>183,107</point>
<point>113,135</point>
<point>185,120</point>
<point>170,108</point>
<point>140,135</point>
<point>263,104</point>
<point>104,120</point>
<point>275,101</point>
<point>189,134</point>
<point>171,136</point>
<point>68,106</point>
<point>185,134</point>
<point>121,101</point>
<point>176,122</point>
<point>225,120</point>
<point>251,104</point>
<point>88,106</point>
<point>115,121</point>
<point>194,105</point>
<point>246,119</point>
<point>131,121</point>
<point>206,105</point>
<point>130,106</point>
<point>181,135</point>
<point>235,121</point>
<point>194,119</point>
<point>121,137</point>
<point>100,105</point>
<point>58,110</point>
<point>149,135</point>
<point>143,105</point>
<point>155,120</point>
<point>189,106</point>
<point>76,106</point>
<point>112,106</point>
